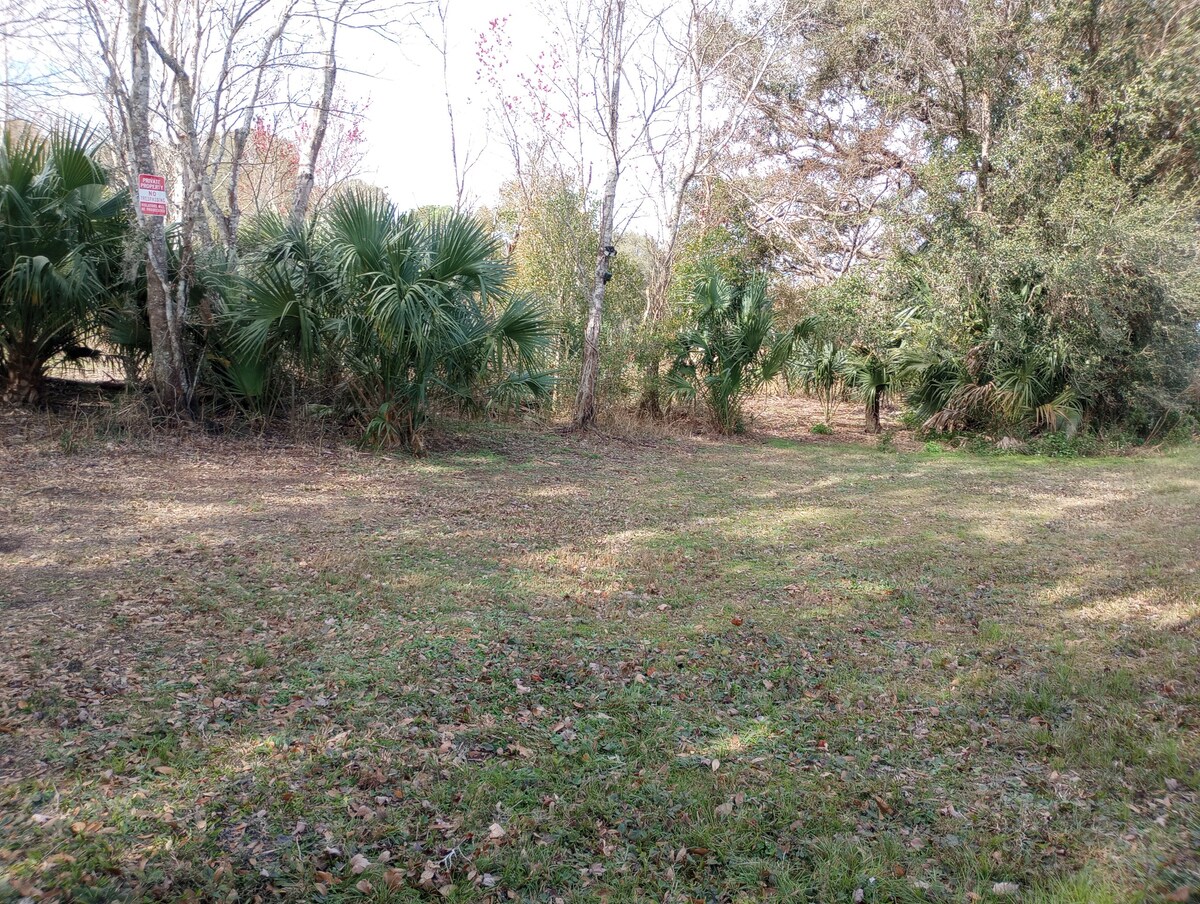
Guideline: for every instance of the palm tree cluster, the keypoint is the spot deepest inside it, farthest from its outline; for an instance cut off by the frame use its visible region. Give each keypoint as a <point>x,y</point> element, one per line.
<point>1010,374</point>
<point>363,313</point>
<point>62,230</point>
<point>376,313</point>
<point>733,347</point>
<point>730,349</point>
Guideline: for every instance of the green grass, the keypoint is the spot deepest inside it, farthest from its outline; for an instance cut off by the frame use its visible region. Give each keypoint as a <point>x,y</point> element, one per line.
<point>538,668</point>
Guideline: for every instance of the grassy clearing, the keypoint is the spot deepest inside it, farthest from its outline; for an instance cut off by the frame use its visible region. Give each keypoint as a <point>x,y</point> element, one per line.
<point>541,669</point>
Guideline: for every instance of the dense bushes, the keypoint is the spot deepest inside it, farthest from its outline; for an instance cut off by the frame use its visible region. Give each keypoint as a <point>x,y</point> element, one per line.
<point>365,314</point>
<point>1072,306</point>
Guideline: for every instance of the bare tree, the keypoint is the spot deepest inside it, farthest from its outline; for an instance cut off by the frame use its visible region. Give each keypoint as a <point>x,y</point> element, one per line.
<point>182,84</point>
<point>439,39</point>
<point>611,55</point>
<point>330,19</point>
<point>628,88</point>
<point>169,376</point>
<point>562,117</point>
<point>696,133</point>
<point>304,182</point>
<point>227,219</point>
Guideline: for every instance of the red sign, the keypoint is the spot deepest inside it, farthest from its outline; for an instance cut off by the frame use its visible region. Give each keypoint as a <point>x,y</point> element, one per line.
<point>152,195</point>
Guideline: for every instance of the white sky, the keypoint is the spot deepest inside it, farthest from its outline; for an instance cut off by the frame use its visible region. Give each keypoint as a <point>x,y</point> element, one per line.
<point>407,128</point>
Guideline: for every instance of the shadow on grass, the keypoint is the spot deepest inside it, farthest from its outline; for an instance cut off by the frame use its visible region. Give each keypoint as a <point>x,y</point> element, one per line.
<point>919,670</point>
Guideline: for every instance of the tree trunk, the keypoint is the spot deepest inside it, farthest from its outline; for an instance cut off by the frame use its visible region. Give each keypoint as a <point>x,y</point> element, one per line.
<point>614,63</point>
<point>166,326</point>
<point>656,304</point>
<point>985,153</point>
<point>585,400</point>
<point>872,415</point>
<point>651,401</point>
<point>227,223</point>
<point>24,383</point>
<point>304,182</point>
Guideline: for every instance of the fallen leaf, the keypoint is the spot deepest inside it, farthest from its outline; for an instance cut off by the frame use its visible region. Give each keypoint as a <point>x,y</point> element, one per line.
<point>496,831</point>
<point>358,863</point>
<point>24,888</point>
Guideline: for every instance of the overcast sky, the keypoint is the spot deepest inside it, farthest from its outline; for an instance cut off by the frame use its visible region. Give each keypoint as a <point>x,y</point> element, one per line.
<point>407,128</point>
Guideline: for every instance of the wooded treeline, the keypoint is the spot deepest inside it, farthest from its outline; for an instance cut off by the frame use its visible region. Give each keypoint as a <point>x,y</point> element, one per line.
<point>986,212</point>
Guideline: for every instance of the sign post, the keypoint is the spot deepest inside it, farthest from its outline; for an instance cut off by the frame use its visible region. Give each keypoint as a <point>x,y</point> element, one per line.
<point>152,195</point>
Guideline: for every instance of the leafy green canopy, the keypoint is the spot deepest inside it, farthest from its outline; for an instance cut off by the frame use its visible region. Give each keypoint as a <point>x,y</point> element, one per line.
<point>1043,227</point>
<point>1079,301</point>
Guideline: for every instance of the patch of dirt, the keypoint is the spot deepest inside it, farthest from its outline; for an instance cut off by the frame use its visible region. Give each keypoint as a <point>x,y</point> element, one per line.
<point>792,417</point>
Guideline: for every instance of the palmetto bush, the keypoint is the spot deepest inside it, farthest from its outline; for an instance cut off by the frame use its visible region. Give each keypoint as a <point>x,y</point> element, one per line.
<point>61,235</point>
<point>730,349</point>
<point>819,369</point>
<point>872,374</point>
<point>1016,379</point>
<point>381,313</point>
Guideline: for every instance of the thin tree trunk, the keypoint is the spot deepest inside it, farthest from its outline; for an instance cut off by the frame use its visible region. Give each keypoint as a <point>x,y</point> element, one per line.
<point>585,400</point>
<point>167,369</point>
<point>985,153</point>
<point>656,304</point>
<point>872,415</point>
<point>651,401</point>
<point>193,222</point>
<point>304,182</point>
<point>227,223</point>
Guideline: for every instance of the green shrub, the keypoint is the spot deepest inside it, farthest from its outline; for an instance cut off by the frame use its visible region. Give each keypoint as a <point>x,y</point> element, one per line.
<point>730,348</point>
<point>380,312</point>
<point>1060,445</point>
<point>819,369</point>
